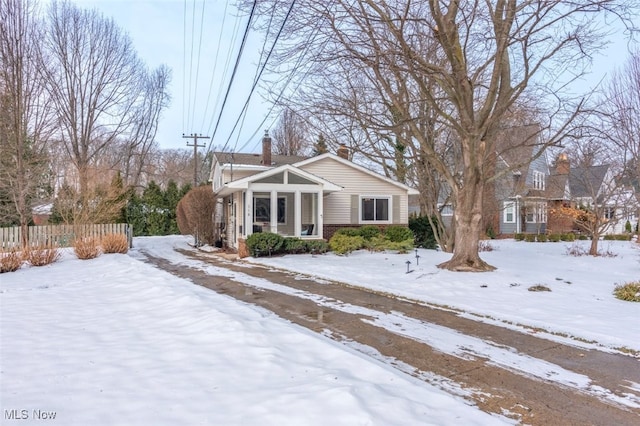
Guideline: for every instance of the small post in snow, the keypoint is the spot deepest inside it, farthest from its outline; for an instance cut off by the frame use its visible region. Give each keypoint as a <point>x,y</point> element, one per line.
<point>417,258</point>
<point>408,262</point>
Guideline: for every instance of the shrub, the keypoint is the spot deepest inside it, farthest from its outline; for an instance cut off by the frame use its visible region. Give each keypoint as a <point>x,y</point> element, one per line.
<point>423,232</point>
<point>10,261</point>
<point>369,231</point>
<point>576,250</point>
<point>400,246</point>
<point>568,237</point>
<point>491,234</point>
<point>294,245</point>
<point>350,232</point>
<point>316,246</point>
<point>542,238</point>
<point>629,292</point>
<point>530,238</point>
<point>344,244</point>
<point>263,243</point>
<point>41,255</point>
<point>396,233</point>
<point>377,243</point>
<point>194,212</point>
<point>539,287</point>
<point>115,243</point>
<point>580,237</point>
<point>618,237</point>
<point>519,236</point>
<point>627,227</point>
<point>554,238</point>
<point>86,248</point>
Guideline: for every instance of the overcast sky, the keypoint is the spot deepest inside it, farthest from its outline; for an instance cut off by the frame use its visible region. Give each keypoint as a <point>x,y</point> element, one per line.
<point>157,28</point>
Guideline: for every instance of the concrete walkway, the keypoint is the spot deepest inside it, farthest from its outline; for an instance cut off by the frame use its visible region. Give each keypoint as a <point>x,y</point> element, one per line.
<point>493,388</point>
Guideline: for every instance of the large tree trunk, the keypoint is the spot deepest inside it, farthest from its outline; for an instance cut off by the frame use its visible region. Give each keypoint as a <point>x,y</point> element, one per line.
<point>468,225</point>
<point>593,249</point>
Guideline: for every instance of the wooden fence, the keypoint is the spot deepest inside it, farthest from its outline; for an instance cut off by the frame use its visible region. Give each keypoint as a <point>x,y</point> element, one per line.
<point>62,235</point>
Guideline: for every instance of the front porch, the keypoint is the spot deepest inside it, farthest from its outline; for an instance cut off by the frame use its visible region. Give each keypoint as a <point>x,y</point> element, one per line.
<point>284,201</point>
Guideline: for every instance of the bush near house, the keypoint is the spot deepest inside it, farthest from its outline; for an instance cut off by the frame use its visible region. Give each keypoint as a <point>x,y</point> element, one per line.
<point>423,232</point>
<point>519,237</point>
<point>395,237</point>
<point>554,238</point>
<point>268,244</point>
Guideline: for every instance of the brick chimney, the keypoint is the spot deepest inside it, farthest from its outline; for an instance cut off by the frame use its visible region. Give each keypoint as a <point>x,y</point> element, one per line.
<point>343,152</point>
<point>266,149</point>
<point>562,164</point>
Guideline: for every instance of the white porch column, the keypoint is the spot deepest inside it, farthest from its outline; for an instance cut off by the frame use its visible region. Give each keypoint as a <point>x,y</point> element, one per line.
<point>248,213</point>
<point>319,213</point>
<point>297,213</point>
<point>274,211</point>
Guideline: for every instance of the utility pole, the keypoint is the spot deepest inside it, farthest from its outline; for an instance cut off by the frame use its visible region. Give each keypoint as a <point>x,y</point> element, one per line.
<point>195,146</point>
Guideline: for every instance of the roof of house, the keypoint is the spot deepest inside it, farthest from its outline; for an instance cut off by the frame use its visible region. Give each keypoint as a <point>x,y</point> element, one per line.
<point>516,145</point>
<point>586,181</point>
<point>256,159</point>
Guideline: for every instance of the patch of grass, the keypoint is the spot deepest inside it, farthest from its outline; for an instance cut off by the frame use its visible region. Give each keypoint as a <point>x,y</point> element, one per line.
<point>42,255</point>
<point>629,292</point>
<point>539,287</point>
<point>10,260</point>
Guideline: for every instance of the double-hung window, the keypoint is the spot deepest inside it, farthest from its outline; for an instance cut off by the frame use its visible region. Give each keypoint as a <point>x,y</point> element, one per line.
<point>509,212</point>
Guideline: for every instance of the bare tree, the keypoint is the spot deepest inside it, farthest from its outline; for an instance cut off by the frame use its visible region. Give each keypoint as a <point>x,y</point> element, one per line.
<point>24,113</point>
<point>140,142</point>
<point>93,79</point>
<point>490,54</point>
<point>623,108</point>
<point>289,134</point>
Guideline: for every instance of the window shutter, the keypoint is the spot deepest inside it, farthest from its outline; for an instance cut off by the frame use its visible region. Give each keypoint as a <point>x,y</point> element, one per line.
<point>395,200</point>
<point>355,199</point>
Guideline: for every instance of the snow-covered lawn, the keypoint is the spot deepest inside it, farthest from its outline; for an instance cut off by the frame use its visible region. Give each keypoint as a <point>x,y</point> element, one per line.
<point>580,303</point>
<point>114,341</point>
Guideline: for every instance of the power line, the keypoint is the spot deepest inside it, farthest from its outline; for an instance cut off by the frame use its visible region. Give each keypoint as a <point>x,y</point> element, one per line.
<point>235,69</point>
<point>195,87</point>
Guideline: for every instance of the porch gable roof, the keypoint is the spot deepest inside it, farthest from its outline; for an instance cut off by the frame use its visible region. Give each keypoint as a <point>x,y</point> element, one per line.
<point>240,184</point>
<point>410,191</point>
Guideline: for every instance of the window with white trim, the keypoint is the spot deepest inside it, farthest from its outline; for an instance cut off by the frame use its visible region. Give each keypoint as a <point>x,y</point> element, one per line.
<point>536,212</point>
<point>509,212</point>
<point>446,210</point>
<point>375,209</point>
<point>538,180</point>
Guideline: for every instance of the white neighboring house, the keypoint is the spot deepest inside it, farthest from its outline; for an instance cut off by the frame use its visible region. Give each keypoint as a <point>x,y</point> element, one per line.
<point>304,197</point>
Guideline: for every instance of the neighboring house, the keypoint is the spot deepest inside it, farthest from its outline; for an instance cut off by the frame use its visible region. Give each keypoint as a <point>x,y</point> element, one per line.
<point>304,197</point>
<point>586,186</point>
<point>516,202</point>
<point>41,214</point>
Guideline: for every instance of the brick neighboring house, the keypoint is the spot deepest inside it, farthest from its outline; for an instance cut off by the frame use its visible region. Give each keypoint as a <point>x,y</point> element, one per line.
<point>574,186</point>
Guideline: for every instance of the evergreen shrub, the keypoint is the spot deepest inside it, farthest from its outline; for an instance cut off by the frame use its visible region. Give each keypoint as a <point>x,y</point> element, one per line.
<point>423,232</point>
<point>264,244</point>
<point>542,238</point>
<point>344,244</point>
<point>629,292</point>
<point>397,233</point>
